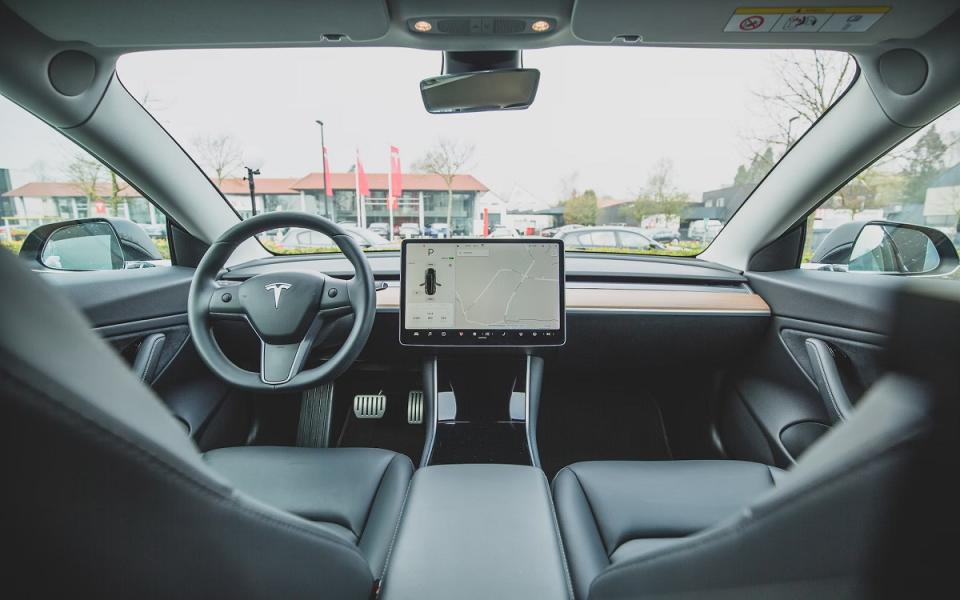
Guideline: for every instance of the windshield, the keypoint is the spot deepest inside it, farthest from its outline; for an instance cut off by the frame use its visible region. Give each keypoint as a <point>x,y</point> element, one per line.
<point>625,150</point>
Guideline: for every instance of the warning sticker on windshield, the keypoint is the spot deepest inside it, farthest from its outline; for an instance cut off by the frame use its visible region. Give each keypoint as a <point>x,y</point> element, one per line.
<point>814,19</point>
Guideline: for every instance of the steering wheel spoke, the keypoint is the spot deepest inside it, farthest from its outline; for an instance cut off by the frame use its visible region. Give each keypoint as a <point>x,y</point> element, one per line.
<point>279,363</point>
<point>224,302</point>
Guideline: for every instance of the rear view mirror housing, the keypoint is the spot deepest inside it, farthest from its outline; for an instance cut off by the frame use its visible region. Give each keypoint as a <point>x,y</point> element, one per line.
<point>500,89</point>
<point>480,81</point>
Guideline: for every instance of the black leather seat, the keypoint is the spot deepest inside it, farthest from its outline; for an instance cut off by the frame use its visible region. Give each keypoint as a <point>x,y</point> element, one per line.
<point>104,494</point>
<point>354,493</point>
<point>613,511</point>
<point>865,513</point>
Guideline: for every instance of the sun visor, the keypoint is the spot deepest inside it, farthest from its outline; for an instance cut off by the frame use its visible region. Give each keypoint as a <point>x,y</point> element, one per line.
<point>198,23</point>
<point>757,22</point>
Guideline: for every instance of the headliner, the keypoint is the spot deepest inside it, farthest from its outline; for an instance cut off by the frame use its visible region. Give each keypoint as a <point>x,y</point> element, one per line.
<point>126,25</point>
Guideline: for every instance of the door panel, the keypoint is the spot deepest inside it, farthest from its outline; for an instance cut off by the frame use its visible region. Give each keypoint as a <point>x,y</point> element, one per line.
<point>142,314</point>
<point>781,400</point>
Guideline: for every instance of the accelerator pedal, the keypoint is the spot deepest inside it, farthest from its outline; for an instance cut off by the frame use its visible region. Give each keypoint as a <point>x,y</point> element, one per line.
<point>415,407</point>
<point>369,406</point>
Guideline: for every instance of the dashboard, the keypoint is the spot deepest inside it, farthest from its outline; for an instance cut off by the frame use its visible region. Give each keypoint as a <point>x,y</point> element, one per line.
<point>618,309</point>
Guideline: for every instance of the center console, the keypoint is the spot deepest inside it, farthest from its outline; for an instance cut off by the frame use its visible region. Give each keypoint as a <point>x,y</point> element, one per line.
<point>477,531</point>
<point>479,520</point>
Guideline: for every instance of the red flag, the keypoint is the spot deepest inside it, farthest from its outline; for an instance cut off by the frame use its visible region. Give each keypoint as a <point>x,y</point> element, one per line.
<point>326,175</point>
<point>362,184</point>
<point>396,179</point>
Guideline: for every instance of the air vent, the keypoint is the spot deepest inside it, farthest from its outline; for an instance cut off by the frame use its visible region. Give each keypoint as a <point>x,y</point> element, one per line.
<point>479,26</point>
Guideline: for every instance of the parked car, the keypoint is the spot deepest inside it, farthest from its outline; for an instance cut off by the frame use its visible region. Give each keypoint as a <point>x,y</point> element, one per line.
<point>409,230</point>
<point>696,230</point>
<point>628,238</point>
<point>554,231</point>
<point>156,231</point>
<point>297,238</point>
<point>502,231</point>
<point>664,235</point>
<point>381,229</point>
<point>438,230</point>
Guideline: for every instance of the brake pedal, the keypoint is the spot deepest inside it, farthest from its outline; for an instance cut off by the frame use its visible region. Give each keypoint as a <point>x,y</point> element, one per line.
<point>369,406</point>
<point>415,407</point>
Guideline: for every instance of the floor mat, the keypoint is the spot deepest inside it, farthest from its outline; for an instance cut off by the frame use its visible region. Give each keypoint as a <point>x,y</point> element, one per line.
<point>391,432</point>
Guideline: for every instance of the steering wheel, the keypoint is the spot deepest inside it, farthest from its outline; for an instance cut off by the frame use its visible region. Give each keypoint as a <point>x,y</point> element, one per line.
<point>288,310</point>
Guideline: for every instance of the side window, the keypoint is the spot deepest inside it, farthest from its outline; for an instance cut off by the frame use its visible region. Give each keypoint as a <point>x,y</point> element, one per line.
<point>633,241</point>
<point>603,239</point>
<point>899,216</point>
<point>87,216</point>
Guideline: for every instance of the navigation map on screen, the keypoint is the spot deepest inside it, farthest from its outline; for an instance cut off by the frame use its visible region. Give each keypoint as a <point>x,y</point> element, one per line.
<point>507,291</point>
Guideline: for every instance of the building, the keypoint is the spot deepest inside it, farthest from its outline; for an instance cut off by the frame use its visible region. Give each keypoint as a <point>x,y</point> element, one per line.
<point>40,202</point>
<point>941,205</point>
<point>271,194</point>
<point>424,200</point>
<point>615,211</point>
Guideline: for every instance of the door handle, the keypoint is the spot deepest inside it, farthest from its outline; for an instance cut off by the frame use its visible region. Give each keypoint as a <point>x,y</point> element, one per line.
<point>826,374</point>
<point>148,357</point>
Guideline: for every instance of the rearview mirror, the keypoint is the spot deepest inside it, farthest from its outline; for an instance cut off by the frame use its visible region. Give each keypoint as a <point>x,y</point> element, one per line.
<point>900,248</point>
<point>500,89</point>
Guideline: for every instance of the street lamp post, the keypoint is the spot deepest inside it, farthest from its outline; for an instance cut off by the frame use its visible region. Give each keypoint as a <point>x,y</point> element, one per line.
<point>252,162</point>
<point>253,189</point>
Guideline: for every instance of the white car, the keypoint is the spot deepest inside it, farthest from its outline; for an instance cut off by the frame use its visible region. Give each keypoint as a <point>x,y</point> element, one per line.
<point>299,239</point>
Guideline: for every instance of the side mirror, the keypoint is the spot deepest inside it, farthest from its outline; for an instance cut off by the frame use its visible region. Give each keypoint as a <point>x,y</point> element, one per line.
<point>902,249</point>
<point>90,245</point>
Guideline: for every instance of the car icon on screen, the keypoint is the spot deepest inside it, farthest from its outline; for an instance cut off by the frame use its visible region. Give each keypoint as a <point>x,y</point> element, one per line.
<point>430,284</point>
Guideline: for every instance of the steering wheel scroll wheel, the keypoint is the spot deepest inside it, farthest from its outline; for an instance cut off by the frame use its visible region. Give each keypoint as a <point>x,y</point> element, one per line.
<point>289,310</point>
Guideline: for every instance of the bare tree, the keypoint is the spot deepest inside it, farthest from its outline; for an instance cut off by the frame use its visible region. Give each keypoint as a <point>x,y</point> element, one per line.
<point>446,159</point>
<point>84,171</point>
<point>661,195</point>
<point>808,83</point>
<point>220,154</point>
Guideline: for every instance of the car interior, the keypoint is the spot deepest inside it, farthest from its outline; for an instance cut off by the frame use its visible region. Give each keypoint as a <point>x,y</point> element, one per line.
<point>477,416</point>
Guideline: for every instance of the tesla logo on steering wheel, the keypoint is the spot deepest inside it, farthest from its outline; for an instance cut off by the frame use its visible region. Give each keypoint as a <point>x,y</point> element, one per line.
<point>277,289</point>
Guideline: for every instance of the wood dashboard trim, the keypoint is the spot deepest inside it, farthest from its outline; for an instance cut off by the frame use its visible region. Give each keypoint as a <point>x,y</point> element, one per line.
<point>643,300</point>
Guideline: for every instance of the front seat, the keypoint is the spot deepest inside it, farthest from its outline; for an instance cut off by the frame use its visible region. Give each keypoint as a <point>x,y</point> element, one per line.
<point>105,495</point>
<point>869,511</point>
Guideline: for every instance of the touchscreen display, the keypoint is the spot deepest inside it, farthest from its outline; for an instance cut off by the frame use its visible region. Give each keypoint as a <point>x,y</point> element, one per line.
<point>482,292</point>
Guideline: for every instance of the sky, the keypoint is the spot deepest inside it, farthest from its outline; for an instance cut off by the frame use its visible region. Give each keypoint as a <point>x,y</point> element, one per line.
<point>602,118</point>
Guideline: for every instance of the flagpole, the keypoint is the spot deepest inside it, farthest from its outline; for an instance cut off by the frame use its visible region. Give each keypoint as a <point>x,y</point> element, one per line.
<point>356,182</point>
<point>390,195</point>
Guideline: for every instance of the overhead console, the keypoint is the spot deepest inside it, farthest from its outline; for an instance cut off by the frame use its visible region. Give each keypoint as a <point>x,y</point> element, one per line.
<point>501,292</point>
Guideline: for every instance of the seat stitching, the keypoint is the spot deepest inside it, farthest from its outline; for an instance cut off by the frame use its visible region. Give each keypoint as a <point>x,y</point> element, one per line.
<point>383,475</point>
<point>396,531</point>
<point>556,531</point>
<point>593,513</point>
